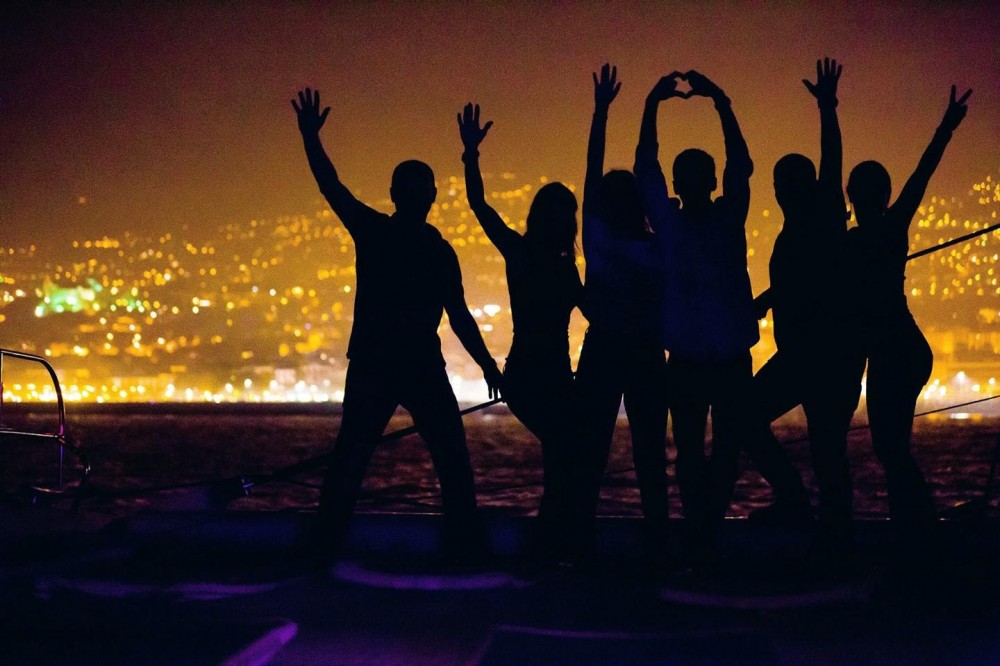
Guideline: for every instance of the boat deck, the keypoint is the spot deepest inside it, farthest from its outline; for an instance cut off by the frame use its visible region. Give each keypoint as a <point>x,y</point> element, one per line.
<point>228,588</point>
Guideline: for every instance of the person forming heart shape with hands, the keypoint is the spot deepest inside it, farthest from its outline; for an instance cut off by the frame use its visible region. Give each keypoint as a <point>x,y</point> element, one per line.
<point>699,86</point>
<point>707,319</point>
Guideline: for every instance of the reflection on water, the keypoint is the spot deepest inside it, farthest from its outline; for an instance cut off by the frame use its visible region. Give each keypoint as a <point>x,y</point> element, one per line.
<point>152,448</point>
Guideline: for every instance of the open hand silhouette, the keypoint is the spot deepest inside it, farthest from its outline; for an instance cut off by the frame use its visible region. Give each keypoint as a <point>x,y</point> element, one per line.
<point>827,76</point>
<point>307,110</point>
<point>469,129</point>
<point>607,86</point>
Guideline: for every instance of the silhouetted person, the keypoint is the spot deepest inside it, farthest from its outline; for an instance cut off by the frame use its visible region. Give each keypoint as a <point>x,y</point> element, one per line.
<point>899,358</point>
<point>820,361</point>
<point>622,355</point>
<point>544,287</point>
<point>407,276</point>
<point>707,306</point>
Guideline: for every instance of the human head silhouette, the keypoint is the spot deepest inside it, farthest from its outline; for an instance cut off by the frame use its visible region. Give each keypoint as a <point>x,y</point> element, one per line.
<point>551,224</point>
<point>794,184</point>
<point>413,190</point>
<point>868,189</point>
<point>694,177</point>
<point>621,203</point>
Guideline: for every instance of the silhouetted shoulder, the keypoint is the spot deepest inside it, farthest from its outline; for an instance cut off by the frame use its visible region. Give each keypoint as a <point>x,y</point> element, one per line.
<point>368,224</point>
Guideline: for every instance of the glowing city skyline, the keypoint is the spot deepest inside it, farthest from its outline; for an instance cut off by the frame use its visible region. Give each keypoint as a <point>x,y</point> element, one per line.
<point>261,311</point>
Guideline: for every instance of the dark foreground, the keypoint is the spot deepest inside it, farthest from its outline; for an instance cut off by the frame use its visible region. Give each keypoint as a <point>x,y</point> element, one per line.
<point>229,588</point>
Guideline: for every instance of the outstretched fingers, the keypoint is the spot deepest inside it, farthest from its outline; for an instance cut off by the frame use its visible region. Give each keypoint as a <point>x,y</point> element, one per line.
<point>606,84</point>
<point>307,108</point>
<point>831,70</point>
<point>465,116</point>
<point>964,97</point>
<point>957,109</point>
<point>306,100</point>
<point>468,126</point>
<point>828,72</point>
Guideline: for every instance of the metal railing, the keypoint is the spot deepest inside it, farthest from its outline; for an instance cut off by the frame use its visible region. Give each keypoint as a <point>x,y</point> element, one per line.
<point>59,437</point>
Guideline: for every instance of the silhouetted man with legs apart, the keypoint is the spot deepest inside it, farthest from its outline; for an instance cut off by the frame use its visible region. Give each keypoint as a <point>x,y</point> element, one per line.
<point>820,360</point>
<point>407,276</point>
<point>708,318</point>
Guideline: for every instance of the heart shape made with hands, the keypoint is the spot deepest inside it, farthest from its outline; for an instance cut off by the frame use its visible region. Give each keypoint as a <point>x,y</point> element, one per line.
<point>684,94</point>
<point>681,77</point>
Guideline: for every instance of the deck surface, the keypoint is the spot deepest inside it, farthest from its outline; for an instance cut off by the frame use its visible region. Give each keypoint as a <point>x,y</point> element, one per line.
<point>228,588</point>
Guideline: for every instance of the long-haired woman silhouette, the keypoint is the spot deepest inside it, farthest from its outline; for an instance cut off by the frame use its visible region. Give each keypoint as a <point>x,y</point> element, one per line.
<point>899,358</point>
<point>544,288</point>
<point>622,356</point>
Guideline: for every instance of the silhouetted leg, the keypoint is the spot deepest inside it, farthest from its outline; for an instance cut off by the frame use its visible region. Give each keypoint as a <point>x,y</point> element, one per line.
<point>541,398</point>
<point>525,399</point>
<point>368,406</point>
<point>730,416</point>
<point>560,462</point>
<point>599,387</point>
<point>646,407</point>
<point>689,410</point>
<point>774,392</point>
<point>431,401</point>
<point>831,396</point>
<point>896,374</point>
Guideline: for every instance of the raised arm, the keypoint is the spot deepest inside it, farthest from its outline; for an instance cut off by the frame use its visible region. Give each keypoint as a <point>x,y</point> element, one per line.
<point>465,327</point>
<point>647,165</point>
<point>831,163</point>
<point>503,237</point>
<point>909,198</point>
<point>347,207</point>
<point>739,167</point>
<point>606,88</point>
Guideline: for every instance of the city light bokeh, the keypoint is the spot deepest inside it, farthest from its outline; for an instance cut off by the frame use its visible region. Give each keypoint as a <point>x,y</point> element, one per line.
<point>261,311</point>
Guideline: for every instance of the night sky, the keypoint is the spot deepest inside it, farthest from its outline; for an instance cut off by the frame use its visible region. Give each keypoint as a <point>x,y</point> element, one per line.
<point>145,116</point>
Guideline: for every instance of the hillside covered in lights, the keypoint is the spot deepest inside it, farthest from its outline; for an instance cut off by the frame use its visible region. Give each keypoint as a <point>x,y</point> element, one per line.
<point>261,310</point>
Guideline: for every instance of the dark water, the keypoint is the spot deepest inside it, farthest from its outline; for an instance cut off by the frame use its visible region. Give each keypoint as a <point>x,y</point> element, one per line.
<point>133,448</point>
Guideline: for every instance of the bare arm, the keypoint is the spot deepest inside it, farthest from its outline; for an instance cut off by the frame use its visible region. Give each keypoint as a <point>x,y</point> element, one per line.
<point>347,207</point>
<point>503,237</point>
<point>605,90</point>
<point>739,167</point>
<point>647,165</point>
<point>831,163</point>
<point>909,198</point>
<point>465,327</point>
